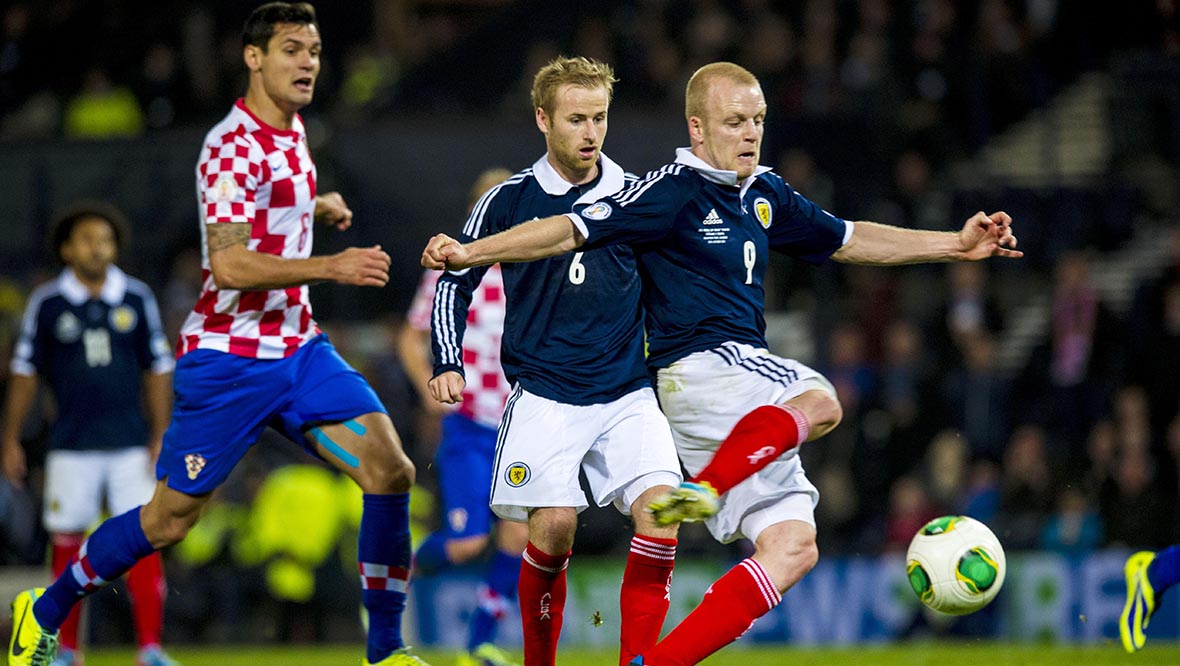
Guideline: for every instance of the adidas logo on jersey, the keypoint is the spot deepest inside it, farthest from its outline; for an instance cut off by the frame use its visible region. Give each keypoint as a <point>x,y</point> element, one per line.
<point>712,218</point>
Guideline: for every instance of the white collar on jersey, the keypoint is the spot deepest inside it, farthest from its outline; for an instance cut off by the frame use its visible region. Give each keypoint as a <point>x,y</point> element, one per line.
<point>553,184</point>
<point>711,173</point>
<point>113,288</point>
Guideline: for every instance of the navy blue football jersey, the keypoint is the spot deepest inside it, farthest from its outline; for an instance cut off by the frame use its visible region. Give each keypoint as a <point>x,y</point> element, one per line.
<point>92,353</point>
<point>701,241</point>
<point>573,327</point>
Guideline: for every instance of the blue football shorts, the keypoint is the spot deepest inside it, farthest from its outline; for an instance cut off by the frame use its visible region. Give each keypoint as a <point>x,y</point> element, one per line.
<point>463,463</point>
<point>223,402</point>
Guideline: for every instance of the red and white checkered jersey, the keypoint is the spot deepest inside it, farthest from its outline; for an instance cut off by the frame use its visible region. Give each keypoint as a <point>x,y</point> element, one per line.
<point>252,173</point>
<point>487,389</point>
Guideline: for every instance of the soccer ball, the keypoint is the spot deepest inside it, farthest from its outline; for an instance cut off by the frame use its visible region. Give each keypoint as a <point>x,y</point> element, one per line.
<point>955,565</point>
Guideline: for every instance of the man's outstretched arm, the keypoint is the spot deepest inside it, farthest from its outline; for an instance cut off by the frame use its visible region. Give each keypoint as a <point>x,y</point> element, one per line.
<point>235,266</point>
<point>982,236</point>
<point>537,239</point>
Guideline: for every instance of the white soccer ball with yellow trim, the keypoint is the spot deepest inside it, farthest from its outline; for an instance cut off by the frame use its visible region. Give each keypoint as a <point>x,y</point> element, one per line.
<point>955,565</point>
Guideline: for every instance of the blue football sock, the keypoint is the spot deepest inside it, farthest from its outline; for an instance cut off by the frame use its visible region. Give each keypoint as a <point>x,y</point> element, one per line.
<point>432,554</point>
<point>384,553</point>
<point>1164,570</point>
<point>499,593</point>
<point>114,548</point>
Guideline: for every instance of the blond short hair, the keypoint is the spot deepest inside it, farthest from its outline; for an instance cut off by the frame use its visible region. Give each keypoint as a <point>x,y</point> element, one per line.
<point>696,94</point>
<point>582,72</point>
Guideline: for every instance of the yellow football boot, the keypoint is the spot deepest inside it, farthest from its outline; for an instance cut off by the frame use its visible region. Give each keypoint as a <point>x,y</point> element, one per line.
<point>30,645</point>
<point>1140,602</point>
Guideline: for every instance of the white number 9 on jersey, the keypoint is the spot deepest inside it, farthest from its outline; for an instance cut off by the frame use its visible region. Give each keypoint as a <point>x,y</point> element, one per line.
<point>750,256</point>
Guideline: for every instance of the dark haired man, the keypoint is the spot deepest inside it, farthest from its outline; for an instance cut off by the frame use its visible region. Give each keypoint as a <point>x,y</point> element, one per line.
<point>251,356</point>
<point>94,334</point>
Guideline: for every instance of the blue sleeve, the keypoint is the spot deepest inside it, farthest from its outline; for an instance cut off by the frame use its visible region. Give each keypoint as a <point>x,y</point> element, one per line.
<point>452,294</point>
<point>152,347</point>
<point>642,213</point>
<point>801,229</point>
<point>28,357</point>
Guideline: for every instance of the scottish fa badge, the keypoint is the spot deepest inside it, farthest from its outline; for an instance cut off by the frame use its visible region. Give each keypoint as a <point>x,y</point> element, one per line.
<point>122,319</point>
<point>518,474</point>
<point>763,212</point>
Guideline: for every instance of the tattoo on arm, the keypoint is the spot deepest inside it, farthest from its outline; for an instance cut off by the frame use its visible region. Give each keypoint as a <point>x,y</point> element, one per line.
<point>223,236</point>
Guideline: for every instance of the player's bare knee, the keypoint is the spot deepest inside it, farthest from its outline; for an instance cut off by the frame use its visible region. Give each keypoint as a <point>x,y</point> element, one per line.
<point>167,530</point>
<point>386,474</point>
<point>552,529</point>
<point>803,555</point>
<point>824,412</point>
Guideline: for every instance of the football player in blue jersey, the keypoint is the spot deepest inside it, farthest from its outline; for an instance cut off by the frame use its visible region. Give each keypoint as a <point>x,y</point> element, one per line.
<point>94,335</point>
<point>572,348</point>
<point>1148,576</point>
<point>702,227</point>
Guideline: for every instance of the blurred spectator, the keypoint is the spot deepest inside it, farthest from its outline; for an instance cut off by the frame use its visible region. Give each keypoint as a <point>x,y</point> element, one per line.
<point>910,507</point>
<point>102,110</point>
<point>981,497</point>
<point>1068,382</point>
<point>1027,492</point>
<point>1101,457</point>
<point>1075,527</point>
<point>946,470</point>
<point>905,386</point>
<point>969,311</point>
<point>1136,514</point>
<point>977,396</point>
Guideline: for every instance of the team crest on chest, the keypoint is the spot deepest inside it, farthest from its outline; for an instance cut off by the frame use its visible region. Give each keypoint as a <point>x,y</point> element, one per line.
<point>763,212</point>
<point>122,319</point>
<point>518,474</point>
<point>194,463</point>
<point>68,328</point>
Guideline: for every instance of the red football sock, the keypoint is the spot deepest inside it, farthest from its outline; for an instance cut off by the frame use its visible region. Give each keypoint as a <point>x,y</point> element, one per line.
<point>758,438</point>
<point>145,586</point>
<point>744,594</point>
<point>65,547</point>
<point>542,601</point>
<point>643,599</point>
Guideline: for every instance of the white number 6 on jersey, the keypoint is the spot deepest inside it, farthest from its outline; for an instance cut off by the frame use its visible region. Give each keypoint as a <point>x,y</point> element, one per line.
<point>749,255</point>
<point>577,269</point>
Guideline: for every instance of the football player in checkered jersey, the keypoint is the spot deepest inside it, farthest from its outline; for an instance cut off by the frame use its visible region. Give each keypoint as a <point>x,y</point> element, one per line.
<point>702,228</point>
<point>94,335</point>
<point>573,351</point>
<point>251,356</point>
<point>463,461</point>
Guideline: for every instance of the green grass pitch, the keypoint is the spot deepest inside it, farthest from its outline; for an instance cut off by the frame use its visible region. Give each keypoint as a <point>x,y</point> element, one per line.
<point>910,654</point>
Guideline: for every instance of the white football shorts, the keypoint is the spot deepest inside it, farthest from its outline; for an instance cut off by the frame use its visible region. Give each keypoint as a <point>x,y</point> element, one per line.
<point>704,395</point>
<point>625,447</point>
<point>78,482</point>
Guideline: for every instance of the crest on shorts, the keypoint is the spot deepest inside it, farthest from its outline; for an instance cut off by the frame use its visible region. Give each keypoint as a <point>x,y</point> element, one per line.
<point>598,211</point>
<point>194,463</point>
<point>122,318</point>
<point>518,474</point>
<point>762,211</point>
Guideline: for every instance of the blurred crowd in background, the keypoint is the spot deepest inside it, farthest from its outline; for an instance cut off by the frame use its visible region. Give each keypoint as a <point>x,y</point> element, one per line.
<point>1070,444</point>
